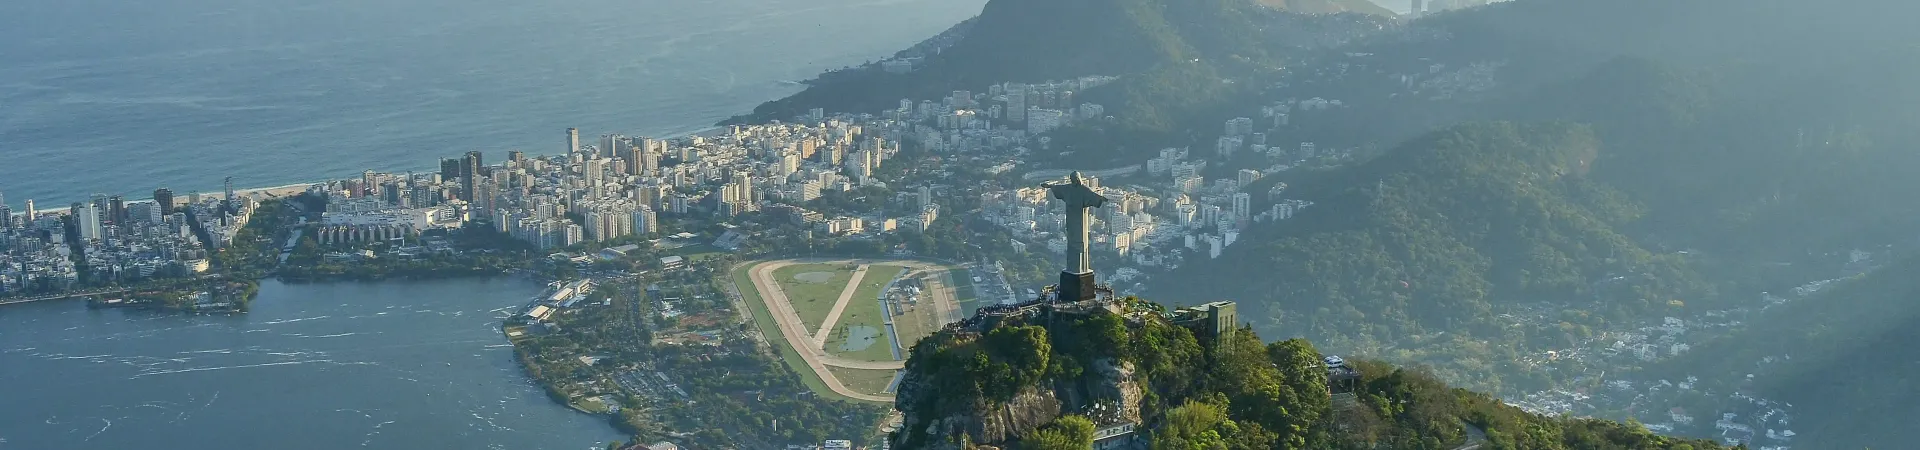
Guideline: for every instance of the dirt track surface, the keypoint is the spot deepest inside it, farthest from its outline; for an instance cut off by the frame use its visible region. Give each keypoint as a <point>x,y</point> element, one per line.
<point>795,332</point>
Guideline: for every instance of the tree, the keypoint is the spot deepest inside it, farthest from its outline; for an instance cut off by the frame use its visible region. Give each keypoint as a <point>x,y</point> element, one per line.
<point>1192,426</point>
<point>1068,432</point>
<point>1010,359</point>
<point>1304,378</point>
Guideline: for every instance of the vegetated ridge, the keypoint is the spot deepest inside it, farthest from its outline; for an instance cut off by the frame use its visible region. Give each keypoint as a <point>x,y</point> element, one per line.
<point>1051,376</point>
<point>1039,40</point>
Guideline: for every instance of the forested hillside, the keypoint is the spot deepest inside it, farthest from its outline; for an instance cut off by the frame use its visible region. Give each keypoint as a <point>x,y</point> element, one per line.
<point>1449,226</point>
<point>1050,379</point>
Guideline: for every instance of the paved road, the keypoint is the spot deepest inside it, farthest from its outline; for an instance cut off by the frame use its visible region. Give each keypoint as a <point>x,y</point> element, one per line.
<point>62,296</point>
<point>839,306</point>
<point>795,332</point>
<point>861,364</point>
<point>940,290</point>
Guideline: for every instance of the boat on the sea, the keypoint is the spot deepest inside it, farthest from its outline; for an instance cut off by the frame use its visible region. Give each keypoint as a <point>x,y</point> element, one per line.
<point>97,302</point>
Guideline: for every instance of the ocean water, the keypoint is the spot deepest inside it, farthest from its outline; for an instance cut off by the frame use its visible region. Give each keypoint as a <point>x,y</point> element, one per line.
<point>397,365</point>
<point>122,97</point>
<point>118,97</point>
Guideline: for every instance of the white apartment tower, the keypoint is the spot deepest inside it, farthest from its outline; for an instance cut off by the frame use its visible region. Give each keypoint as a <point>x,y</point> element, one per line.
<point>89,222</point>
<point>1242,206</point>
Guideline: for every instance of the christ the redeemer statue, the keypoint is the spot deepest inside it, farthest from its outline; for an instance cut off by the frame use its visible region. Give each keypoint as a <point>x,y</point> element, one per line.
<point>1076,282</point>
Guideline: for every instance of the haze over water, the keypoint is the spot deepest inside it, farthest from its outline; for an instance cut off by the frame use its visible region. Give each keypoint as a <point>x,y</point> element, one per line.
<point>115,97</point>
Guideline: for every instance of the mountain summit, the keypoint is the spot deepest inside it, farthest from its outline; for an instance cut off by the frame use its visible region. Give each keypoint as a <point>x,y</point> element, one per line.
<point>1130,374</point>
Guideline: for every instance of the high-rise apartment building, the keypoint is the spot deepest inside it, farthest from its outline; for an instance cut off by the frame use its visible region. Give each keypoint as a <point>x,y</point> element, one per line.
<point>227,202</point>
<point>87,219</point>
<point>117,210</point>
<point>1242,206</point>
<point>745,183</point>
<point>163,198</point>
<point>611,146</point>
<point>470,176</point>
<point>1017,102</point>
<point>645,222</point>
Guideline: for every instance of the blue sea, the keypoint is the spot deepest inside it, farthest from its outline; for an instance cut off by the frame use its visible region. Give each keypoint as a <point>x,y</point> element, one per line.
<point>122,97</point>
<point>398,365</point>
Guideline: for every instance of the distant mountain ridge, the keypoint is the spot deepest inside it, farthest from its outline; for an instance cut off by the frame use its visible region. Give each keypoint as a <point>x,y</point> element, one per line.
<point>1729,158</point>
<point>1040,40</point>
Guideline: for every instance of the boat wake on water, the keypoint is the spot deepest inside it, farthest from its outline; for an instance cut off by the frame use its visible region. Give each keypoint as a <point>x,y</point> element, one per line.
<point>281,321</point>
<point>245,366</point>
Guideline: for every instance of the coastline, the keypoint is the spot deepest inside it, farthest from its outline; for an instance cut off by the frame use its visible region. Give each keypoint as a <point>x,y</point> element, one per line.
<point>259,193</point>
<point>288,190</point>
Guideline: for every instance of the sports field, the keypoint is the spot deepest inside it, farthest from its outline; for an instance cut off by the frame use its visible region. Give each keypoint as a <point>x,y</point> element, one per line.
<point>830,317</point>
<point>861,332</point>
<point>813,288</point>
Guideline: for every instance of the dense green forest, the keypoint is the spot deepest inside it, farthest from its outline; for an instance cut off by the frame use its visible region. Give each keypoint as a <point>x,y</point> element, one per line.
<point>1199,392</point>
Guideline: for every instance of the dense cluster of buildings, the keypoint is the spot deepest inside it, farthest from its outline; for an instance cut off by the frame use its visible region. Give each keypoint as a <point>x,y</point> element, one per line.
<point>620,186</point>
<point>111,239</point>
<point>1156,225</point>
<point>1004,117</point>
<point>1424,7</point>
<point>1722,408</point>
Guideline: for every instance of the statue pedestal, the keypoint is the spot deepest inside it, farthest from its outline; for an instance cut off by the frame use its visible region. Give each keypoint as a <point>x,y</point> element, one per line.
<point>1075,286</point>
